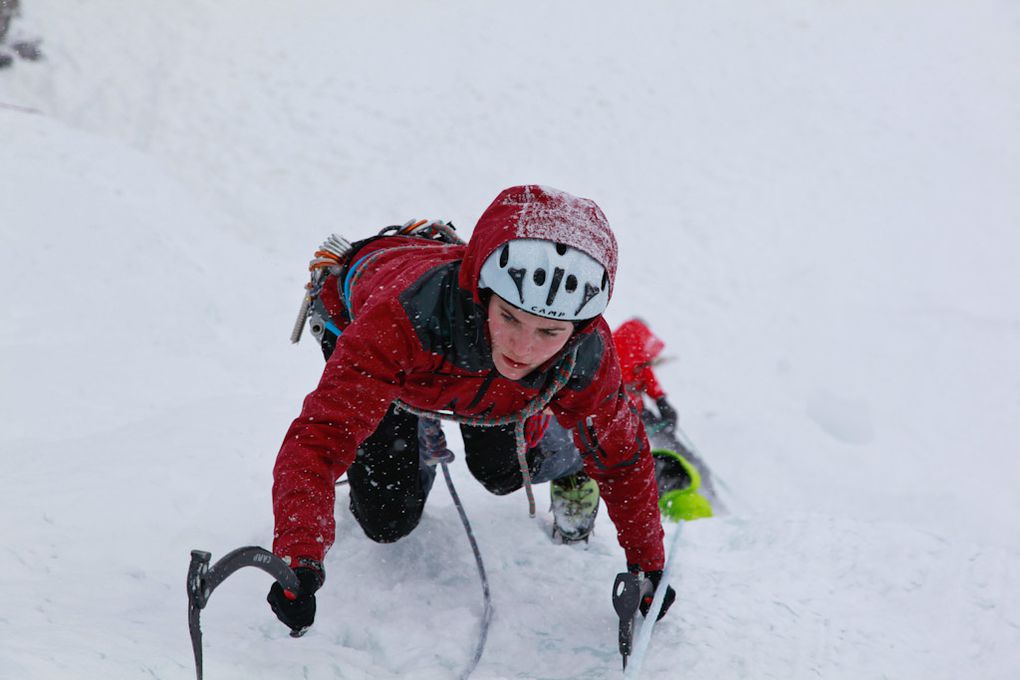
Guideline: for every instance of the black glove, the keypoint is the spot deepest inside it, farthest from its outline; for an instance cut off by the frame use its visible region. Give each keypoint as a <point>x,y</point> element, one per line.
<point>297,611</point>
<point>667,414</point>
<point>648,594</point>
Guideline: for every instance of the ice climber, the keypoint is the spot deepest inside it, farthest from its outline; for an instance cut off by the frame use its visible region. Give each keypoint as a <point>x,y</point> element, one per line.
<point>508,326</point>
<point>639,351</point>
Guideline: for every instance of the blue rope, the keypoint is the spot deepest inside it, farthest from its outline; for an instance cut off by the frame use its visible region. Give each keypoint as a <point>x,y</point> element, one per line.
<point>352,274</point>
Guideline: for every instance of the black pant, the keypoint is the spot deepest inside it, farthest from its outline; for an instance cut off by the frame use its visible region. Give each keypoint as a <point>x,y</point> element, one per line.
<point>389,482</point>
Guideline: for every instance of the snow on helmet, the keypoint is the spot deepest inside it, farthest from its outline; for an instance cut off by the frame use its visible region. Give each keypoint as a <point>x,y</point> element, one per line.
<point>548,279</point>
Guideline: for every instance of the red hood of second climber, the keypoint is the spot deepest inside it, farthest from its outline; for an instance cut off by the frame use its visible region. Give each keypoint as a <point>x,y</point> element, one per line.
<point>538,212</point>
<point>636,345</point>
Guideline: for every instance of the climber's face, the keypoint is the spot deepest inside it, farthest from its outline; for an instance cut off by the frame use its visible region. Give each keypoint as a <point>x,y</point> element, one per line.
<point>521,341</point>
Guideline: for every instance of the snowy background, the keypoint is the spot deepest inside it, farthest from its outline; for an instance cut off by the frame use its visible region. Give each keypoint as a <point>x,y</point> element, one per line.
<point>817,209</point>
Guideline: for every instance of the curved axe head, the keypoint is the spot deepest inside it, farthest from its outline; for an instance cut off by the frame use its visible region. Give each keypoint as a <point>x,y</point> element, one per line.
<point>203,579</point>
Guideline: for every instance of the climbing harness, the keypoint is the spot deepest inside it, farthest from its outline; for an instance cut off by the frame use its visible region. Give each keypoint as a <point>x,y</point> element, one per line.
<point>518,419</point>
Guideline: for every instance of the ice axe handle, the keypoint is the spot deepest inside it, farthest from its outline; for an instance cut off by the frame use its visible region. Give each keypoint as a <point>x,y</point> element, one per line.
<point>198,595</point>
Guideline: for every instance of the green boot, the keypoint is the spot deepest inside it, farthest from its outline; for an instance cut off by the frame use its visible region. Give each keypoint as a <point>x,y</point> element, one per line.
<point>679,482</point>
<point>575,502</point>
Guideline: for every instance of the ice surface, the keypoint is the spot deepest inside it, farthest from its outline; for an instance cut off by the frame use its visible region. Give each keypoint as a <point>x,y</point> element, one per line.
<point>816,209</point>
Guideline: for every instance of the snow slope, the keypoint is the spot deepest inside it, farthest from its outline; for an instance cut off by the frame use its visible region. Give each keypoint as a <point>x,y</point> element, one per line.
<point>816,208</point>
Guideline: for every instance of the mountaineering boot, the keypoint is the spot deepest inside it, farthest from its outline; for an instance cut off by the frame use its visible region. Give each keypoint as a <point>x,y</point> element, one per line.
<point>670,472</point>
<point>678,483</point>
<point>575,502</point>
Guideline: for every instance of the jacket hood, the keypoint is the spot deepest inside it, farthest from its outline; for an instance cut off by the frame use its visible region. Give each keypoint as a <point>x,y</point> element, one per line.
<point>538,212</point>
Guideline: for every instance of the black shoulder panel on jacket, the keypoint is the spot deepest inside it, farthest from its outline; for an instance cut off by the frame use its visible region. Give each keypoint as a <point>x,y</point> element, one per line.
<point>590,352</point>
<point>446,320</point>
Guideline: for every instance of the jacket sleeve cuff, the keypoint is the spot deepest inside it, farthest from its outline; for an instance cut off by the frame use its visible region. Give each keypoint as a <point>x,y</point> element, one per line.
<point>646,560</point>
<point>300,554</point>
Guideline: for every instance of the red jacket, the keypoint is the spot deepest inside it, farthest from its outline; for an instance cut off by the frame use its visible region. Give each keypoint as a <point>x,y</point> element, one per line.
<point>637,346</point>
<point>419,334</point>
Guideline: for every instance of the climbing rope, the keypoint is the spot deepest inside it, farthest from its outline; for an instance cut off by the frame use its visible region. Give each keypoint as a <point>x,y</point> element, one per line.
<point>483,633</point>
<point>517,419</point>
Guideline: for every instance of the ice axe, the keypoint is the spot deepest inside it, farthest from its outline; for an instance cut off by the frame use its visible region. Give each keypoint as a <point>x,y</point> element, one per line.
<point>627,592</point>
<point>203,579</point>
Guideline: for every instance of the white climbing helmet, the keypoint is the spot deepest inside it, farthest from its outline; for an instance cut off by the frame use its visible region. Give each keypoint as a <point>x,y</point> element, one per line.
<point>547,279</point>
